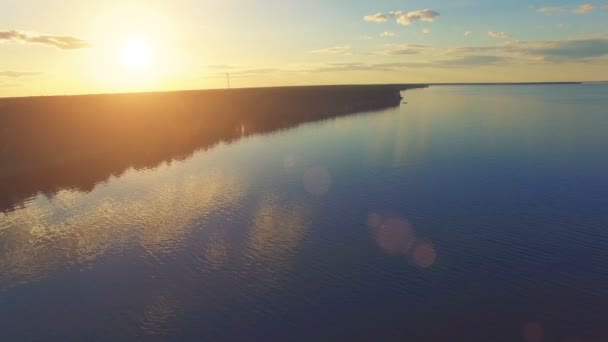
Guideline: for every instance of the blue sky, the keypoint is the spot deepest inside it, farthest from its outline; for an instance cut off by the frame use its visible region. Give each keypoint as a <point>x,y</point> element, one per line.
<point>191,44</point>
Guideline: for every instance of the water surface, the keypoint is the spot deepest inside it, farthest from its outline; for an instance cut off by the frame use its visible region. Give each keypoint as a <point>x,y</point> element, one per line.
<point>472,212</point>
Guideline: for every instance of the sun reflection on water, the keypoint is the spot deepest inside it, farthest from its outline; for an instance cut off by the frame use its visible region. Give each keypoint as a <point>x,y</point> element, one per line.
<point>44,238</point>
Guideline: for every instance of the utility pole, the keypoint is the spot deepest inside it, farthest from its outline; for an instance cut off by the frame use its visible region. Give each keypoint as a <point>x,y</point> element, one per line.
<point>228,80</point>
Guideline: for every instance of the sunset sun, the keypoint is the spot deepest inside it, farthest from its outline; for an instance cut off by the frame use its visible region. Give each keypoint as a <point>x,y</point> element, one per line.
<point>136,53</point>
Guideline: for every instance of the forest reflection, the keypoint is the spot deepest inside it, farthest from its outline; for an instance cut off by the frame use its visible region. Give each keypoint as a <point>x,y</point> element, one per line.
<point>53,143</point>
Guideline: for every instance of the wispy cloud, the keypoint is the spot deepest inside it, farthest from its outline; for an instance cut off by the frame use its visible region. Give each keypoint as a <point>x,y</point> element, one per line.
<point>409,56</point>
<point>402,49</point>
<point>565,50</point>
<point>499,35</point>
<point>550,9</point>
<point>255,71</point>
<point>402,17</point>
<point>15,74</point>
<point>468,33</point>
<point>568,50</point>
<point>584,9</point>
<point>62,42</point>
<point>334,50</point>
<point>362,66</point>
<point>220,70</point>
<point>395,66</point>
<point>222,66</point>
<point>387,34</point>
<point>378,17</point>
<point>400,52</point>
<point>473,60</point>
<point>556,51</point>
<point>426,31</point>
<point>580,9</point>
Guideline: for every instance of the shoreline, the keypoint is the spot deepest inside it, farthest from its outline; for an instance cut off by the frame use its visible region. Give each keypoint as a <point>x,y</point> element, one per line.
<point>57,142</point>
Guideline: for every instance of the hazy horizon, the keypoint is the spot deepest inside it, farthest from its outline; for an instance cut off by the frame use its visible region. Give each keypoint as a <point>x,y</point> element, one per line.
<point>144,91</point>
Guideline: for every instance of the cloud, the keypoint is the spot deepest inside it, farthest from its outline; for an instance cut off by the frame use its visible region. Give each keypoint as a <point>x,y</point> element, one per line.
<point>255,71</point>
<point>395,66</point>
<point>361,66</point>
<point>565,50</point>
<point>348,66</point>
<point>550,9</point>
<point>426,31</point>
<point>387,34</point>
<point>410,56</point>
<point>584,9</point>
<point>16,74</point>
<point>556,51</point>
<point>222,66</point>
<point>403,18</point>
<point>61,42</point>
<point>473,60</point>
<point>569,50</point>
<point>402,50</point>
<point>334,50</point>
<point>377,18</point>
<point>500,35</point>
<point>581,9</point>
<point>410,17</point>
<point>237,71</point>
<point>220,70</point>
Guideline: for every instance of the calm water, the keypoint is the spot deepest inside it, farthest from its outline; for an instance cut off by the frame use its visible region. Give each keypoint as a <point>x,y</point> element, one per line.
<point>470,213</point>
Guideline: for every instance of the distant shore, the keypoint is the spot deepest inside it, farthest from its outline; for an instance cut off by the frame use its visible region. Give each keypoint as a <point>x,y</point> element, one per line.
<point>505,83</point>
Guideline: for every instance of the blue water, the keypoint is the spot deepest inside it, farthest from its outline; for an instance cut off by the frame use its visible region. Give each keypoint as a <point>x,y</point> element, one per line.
<point>471,213</point>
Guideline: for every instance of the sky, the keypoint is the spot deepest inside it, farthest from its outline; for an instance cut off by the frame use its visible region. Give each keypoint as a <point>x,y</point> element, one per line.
<point>50,47</point>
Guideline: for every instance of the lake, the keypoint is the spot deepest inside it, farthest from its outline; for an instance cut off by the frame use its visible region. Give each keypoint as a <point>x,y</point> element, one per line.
<point>471,213</point>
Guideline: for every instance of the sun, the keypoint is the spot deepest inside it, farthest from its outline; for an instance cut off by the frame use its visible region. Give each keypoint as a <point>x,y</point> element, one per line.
<point>136,53</point>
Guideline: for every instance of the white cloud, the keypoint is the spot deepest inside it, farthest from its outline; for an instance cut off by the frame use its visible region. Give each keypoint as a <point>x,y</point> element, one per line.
<point>334,50</point>
<point>499,35</point>
<point>584,9</point>
<point>410,17</point>
<point>387,34</point>
<point>426,31</point>
<point>378,17</point>
<point>403,18</point>
<point>468,33</point>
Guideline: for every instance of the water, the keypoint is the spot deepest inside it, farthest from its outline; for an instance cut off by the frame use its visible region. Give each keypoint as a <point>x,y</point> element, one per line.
<point>471,213</point>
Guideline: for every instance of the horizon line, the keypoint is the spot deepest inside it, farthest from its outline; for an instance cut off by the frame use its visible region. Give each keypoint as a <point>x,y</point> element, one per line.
<point>314,85</point>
